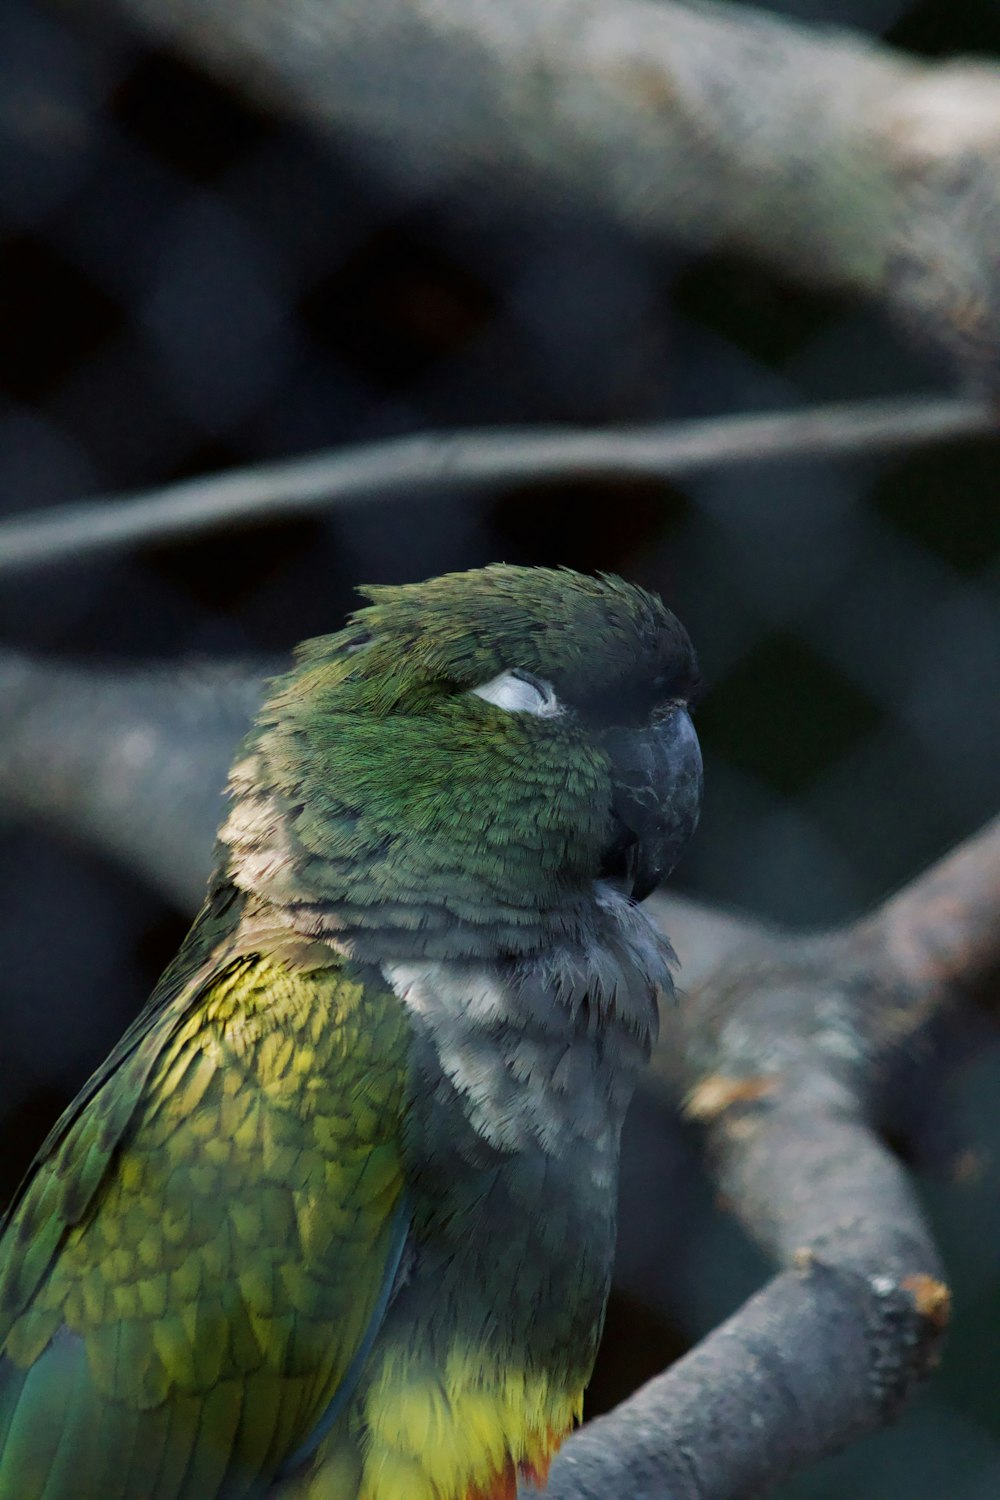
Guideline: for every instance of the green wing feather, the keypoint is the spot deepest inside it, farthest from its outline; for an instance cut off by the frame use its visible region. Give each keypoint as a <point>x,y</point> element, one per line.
<point>207,1236</point>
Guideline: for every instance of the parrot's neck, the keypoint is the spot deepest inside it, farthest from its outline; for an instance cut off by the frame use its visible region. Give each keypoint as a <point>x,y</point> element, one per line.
<point>386,903</point>
<point>520,1073</point>
<point>536,1050</point>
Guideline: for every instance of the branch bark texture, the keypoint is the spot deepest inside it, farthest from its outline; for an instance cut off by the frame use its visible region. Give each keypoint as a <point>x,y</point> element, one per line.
<point>840,161</point>
<point>132,763</point>
<point>784,1048</point>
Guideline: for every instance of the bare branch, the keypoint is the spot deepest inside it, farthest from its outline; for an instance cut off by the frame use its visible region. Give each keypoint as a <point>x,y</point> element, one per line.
<point>840,161</point>
<point>131,762</point>
<point>942,932</point>
<point>779,1383</point>
<point>785,1048</point>
<point>480,460</point>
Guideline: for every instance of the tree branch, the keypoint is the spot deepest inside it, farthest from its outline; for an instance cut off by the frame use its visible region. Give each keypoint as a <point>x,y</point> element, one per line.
<point>784,1047</point>
<point>841,161</point>
<point>480,459</point>
<point>131,762</point>
<point>941,934</point>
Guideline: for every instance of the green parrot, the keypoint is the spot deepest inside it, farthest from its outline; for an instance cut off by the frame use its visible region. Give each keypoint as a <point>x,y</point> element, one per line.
<point>335,1219</point>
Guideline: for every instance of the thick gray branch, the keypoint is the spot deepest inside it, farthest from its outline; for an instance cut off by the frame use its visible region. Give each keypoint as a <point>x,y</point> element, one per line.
<point>782,1381</point>
<point>131,762</point>
<point>840,161</point>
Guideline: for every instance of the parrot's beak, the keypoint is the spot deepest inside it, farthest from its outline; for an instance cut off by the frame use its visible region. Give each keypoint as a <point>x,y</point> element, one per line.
<point>656,799</point>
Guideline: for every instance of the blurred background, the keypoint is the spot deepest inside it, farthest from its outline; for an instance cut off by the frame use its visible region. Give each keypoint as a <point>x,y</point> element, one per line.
<point>189,284</point>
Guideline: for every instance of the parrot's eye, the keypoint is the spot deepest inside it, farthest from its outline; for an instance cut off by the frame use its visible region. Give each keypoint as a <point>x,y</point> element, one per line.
<point>520,693</point>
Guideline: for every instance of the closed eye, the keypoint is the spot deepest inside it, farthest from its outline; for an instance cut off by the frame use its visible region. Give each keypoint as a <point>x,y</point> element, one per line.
<point>520,693</point>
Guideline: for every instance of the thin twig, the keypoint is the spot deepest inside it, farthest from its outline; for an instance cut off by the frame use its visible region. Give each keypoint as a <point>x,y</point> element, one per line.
<point>481,459</point>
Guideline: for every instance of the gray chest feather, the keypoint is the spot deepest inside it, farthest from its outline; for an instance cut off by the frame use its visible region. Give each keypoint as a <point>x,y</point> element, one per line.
<point>534,1060</point>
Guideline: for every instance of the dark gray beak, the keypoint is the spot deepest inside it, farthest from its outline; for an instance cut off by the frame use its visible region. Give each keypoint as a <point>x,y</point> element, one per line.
<point>656,799</point>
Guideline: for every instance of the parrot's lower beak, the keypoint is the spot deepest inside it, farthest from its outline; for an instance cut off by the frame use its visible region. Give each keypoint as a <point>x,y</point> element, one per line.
<point>656,799</point>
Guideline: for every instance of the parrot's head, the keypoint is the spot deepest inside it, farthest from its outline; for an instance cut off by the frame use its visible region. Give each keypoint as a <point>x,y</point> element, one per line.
<point>473,755</point>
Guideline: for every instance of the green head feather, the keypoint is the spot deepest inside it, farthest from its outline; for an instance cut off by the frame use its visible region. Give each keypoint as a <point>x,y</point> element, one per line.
<point>380,792</point>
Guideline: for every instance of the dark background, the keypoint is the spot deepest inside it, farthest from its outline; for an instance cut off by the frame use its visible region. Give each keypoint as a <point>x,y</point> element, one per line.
<point>187,283</point>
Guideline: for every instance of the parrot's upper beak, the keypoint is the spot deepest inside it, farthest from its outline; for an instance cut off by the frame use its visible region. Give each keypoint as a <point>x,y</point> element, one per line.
<point>656,799</point>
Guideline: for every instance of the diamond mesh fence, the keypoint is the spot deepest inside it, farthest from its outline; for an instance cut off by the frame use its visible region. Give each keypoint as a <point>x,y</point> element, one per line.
<point>189,283</point>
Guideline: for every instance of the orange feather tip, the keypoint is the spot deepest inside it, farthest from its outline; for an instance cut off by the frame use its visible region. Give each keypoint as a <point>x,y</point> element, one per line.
<point>534,1469</point>
<point>502,1487</point>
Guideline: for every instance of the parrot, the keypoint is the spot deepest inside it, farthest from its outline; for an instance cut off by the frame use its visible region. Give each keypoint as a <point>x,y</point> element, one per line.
<point>335,1219</point>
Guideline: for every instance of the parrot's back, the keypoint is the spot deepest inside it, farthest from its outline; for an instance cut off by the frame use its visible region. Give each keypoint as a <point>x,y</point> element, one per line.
<point>189,1273</point>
